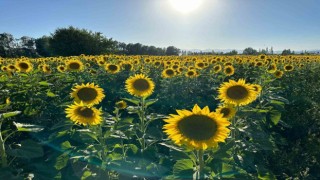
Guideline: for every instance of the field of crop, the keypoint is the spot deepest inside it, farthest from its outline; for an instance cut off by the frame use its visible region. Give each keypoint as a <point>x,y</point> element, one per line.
<point>152,117</point>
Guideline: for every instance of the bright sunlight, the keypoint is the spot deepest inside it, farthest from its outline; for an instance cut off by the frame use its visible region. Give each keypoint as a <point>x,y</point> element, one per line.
<point>185,6</point>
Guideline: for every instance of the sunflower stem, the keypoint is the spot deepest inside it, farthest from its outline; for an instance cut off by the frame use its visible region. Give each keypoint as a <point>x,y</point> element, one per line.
<point>142,120</point>
<point>201,164</point>
<point>4,161</point>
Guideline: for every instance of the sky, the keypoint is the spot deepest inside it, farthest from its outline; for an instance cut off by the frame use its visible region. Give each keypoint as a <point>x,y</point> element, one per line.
<point>215,24</point>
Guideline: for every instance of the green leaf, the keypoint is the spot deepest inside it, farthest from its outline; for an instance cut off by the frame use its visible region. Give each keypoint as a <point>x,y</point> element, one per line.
<point>45,83</point>
<point>23,75</point>
<point>51,94</point>
<point>133,147</point>
<point>132,109</point>
<point>61,161</point>
<point>10,114</point>
<point>134,101</point>
<point>275,116</point>
<point>29,149</point>
<point>66,145</point>
<point>171,147</point>
<point>183,168</point>
<point>150,102</point>
<point>28,127</point>
<point>86,174</point>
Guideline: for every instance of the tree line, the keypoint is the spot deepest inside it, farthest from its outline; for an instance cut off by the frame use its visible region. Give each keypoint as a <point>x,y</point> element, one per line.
<point>73,41</point>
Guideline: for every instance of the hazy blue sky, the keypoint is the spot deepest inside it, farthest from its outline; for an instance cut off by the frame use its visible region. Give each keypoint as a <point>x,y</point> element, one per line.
<point>216,24</point>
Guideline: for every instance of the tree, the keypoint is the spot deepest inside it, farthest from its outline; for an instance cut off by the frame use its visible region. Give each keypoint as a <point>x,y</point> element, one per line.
<point>233,52</point>
<point>171,50</point>
<point>73,41</point>
<point>287,52</point>
<point>43,46</point>
<point>7,43</point>
<point>250,51</point>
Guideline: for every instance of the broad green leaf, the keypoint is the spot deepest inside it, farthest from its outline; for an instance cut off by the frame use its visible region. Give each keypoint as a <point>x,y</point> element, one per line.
<point>10,114</point>
<point>44,83</point>
<point>66,145</point>
<point>61,161</point>
<point>23,75</point>
<point>28,127</point>
<point>150,102</point>
<point>275,116</point>
<point>134,101</point>
<point>86,174</point>
<point>183,168</point>
<point>134,148</point>
<point>171,146</point>
<point>51,94</point>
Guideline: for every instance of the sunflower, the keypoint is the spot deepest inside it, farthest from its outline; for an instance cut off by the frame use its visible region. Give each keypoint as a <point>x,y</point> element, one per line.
<point>74,65</point>
<point>89,94</point>
<point>156,63</point>
<point>200,65</point>
<point>121,104</point>
<point>168,73</point>
<point>140,85</point>
<point>272,68</point>
<point>197,129</point>
<point>237,93</point>
<point>45,68</point>
<point>24,66</point>
<point>191,73</point>
<point>4,68</point>
<point>11,67</point>
<point>257,88</point>
<point>61,68</point>
<point>83,114</point>
<point>227,110</point>
<point>288,67</point>
<point>228,70</point>
<point>112,68</point>
<point>278,74</point>
<point>258,64</point>
<point>127,66</point>
<point>217,68</point>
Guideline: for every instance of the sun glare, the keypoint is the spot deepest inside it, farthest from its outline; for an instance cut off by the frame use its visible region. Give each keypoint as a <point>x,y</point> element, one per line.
<point>185,6</point>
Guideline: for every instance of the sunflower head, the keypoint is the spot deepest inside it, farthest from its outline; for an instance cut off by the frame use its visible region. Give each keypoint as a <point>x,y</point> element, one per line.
<point>278,74</point>
<point>24,66</point>
<point>140,85</point>
<point>121,105</point>
<point>257,88</point>
<point>200,65</point>
<point>127,66</point>
<point>88,94</point>
<point>83,114</point>
<point>217,68</point>
<point>168,73</point>
<point>61,68</point>
<point>237,93</point>
<point>46,68</point>
<point>191,73</point>
<point>272,68</point>
<point>112,68</point>
<point>197,129</point>
<point>228,70</point>
<point>288,67</point>
<point>228,111</point>
<point>74,65</point>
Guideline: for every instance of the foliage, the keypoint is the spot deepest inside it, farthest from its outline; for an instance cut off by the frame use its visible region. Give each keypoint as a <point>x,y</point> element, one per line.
<point>274,137</point>
<point>73,41</point>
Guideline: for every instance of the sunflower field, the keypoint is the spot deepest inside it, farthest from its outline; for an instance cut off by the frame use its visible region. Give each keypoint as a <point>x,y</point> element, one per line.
<point>160,117</point>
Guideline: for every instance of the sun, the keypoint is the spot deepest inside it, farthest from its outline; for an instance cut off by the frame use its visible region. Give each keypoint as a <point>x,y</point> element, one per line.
<point>185,6</point>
